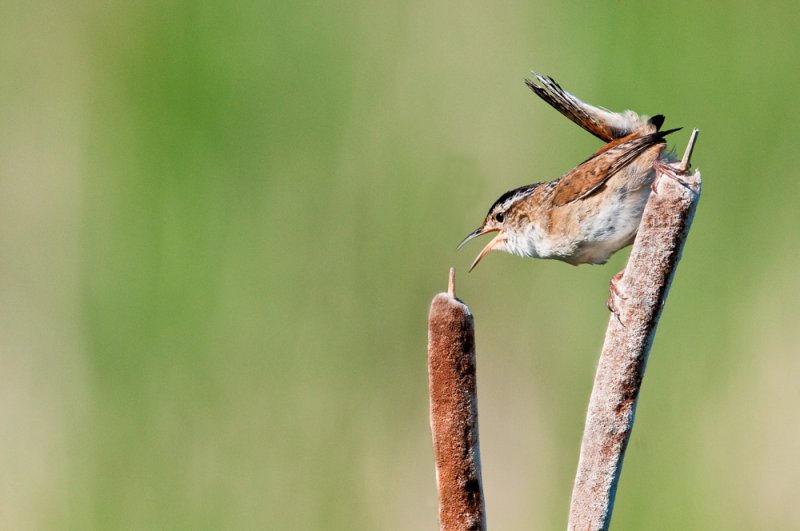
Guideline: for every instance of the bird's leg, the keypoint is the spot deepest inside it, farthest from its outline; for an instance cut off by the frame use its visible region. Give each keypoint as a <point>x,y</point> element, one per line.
<point>615,294</point>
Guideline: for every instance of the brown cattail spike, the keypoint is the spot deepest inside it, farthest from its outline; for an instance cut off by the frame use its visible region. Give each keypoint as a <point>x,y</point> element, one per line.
<point>454,412</point>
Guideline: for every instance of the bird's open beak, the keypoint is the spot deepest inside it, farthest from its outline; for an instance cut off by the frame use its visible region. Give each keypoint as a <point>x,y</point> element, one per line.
<point>489,246</point>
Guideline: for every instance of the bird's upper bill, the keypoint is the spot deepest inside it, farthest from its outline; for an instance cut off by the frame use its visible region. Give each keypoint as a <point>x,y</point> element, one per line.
<point>489,246</point>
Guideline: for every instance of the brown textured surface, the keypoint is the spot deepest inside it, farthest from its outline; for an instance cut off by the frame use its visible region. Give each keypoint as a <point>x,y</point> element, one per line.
<point>612,406</point>
<point>454,414</point>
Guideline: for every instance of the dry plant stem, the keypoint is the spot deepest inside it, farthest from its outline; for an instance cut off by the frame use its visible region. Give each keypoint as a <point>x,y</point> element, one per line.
<point>645,284</point>
<point>454,412</point>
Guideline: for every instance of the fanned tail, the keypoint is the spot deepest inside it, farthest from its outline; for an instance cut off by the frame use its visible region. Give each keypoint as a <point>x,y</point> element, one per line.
<point>602,123</point>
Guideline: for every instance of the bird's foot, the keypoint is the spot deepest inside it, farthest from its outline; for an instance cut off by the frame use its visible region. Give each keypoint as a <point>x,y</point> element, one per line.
<point>671,170</point>
<point>615,295</point>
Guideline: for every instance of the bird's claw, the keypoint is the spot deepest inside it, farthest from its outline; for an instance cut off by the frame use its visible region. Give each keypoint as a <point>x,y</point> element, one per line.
<point>615,295</point>
<point>663,168</point>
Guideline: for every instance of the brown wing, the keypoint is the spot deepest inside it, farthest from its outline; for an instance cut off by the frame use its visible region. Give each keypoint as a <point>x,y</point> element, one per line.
<point>593,173</point>
<point>602,123</point>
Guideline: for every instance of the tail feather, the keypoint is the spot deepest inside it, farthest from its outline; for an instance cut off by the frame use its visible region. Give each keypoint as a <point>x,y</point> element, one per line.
<point>602,123</point>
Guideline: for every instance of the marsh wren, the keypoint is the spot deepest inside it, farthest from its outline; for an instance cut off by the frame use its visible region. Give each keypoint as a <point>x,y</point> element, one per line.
<point>592,211</point>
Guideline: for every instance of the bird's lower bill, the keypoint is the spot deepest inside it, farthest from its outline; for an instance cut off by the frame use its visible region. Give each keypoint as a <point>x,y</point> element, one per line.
<point>497,240</point>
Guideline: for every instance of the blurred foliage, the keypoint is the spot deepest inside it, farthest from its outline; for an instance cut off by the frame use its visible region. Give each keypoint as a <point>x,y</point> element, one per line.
<point>222,224</point>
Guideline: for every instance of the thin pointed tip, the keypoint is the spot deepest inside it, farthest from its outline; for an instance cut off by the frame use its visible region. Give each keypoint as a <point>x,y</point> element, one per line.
<point>686,162</point>
<point>451,283</point>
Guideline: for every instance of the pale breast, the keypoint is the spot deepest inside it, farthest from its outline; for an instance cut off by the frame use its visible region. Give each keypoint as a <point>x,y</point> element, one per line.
<point>611,226</point>
<point>590,231</point>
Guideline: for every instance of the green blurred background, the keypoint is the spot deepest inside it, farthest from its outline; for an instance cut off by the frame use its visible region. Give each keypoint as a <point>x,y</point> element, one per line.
<point>222,225</point>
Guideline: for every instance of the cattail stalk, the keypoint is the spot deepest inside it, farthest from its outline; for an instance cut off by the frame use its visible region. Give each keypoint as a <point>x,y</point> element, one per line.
<point>644,286</point>
<point>454,412</point>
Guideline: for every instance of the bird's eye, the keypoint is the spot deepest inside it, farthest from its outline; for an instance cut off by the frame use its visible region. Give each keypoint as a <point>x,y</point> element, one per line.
<point>499,217</point>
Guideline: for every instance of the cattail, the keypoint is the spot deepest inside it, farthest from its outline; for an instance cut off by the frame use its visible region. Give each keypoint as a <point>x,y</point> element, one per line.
<point>612,406</point>
<point>454,412</point>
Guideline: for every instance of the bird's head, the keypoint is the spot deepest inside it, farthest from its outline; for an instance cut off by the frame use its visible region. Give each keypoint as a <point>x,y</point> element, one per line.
<point>499,219</point>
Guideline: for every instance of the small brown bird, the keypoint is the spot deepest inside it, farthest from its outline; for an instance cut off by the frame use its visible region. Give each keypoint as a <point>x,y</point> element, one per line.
<point>594,210</point>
